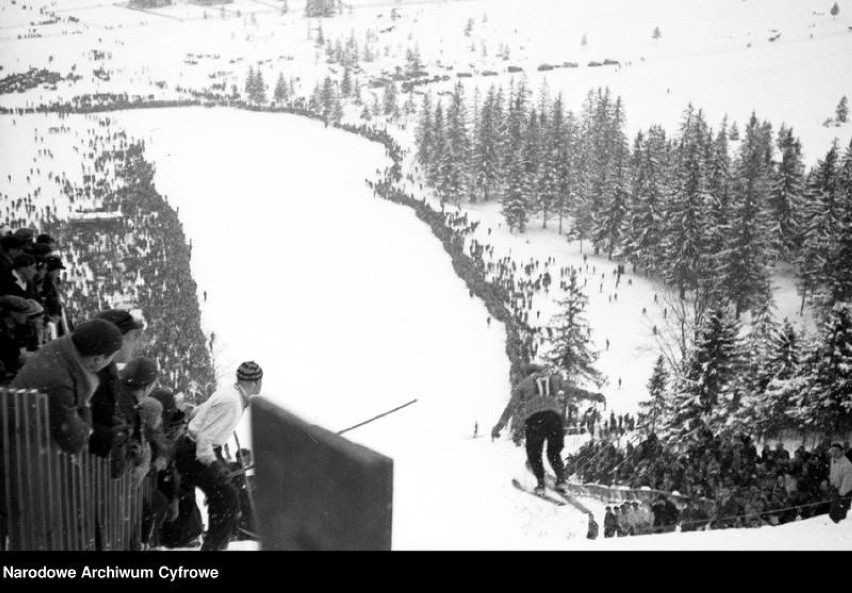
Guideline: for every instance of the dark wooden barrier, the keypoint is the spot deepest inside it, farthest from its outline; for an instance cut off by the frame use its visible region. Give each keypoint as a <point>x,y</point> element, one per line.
<point>316,490</point>
<point>50,500</point>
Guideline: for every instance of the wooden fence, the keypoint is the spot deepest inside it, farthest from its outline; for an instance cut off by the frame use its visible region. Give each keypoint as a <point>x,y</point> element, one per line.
<point>50,500</point>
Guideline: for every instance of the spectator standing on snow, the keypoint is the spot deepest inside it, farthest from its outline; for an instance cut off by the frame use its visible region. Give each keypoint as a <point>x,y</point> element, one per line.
<point>840,478</point>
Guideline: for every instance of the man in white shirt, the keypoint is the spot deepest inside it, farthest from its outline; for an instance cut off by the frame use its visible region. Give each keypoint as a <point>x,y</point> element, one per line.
<point>840,476</point>
<point>199,454</point>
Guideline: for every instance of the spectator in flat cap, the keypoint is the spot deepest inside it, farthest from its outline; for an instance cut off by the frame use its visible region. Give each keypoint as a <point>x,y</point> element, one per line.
<point>50,294</point>
<point>199,455</point>
<point>19,281</point>
<point>66,370</point>
<point>45,239</point>
<point>139,377</point>
<point>13,317</point>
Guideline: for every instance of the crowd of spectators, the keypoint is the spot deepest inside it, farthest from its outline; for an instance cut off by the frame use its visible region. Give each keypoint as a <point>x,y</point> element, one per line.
<point>721,482</point>
<point>119,386</point>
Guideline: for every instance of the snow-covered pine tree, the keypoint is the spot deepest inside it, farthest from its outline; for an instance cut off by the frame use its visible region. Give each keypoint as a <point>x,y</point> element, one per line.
<point>772,400</point>
<point>457,178</point>
<point>552,139</point>
<point>686,217</point>
<point>644,229</point>
<point>250,82</point>
<point>389,106</point>
<point>281,92</point>
<point>432,167</point>
<point>258,93</point>
<point>328,99</point>
<point>655,406</point>
<point>346,82</point>
<point>785,198</point>
<point>486,172</point>
<point>745,263</point>
<point>839,268</point>
<point>826,402</point>
<point>704,395</point>
<point>423,133</point>
<point>532,162</point>
<point>514,206</point>
<point>719,189</point>
<point>514,200</point>
<point>571,346</point>
<point>842,112</point>
<point>820,220</point>
<point>610,225</point>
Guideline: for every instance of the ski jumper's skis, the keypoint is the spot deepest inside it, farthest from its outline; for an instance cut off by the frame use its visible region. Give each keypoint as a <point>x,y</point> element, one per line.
<point>542,495</point>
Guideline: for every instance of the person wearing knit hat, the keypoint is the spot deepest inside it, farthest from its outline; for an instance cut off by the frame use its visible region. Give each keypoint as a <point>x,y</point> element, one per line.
<point>140,373</point>
<point>66,371</point>
<point>114,413</point>
<point>199,455</point>
<point>131,330</point>
<point>249,371</point>
<point>20,280</point>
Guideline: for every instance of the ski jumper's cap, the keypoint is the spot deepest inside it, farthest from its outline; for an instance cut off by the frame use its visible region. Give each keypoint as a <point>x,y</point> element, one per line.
<point>122,319</point>
<point>139,372</point>
<point>97,337</point>
<point>249,371</point>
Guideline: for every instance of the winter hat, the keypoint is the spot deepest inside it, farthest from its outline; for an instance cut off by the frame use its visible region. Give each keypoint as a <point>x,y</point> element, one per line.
<point>166,398</point>
<point>140,372</point>
<point>38,250</point>
<point>122,319</point>
<point>96,337</point>
<point>25,235</point>
<point>249,371</point>
<point>23,260</point>
<point>54,263</point>
<point>11,242</point>
<point>45,239</point>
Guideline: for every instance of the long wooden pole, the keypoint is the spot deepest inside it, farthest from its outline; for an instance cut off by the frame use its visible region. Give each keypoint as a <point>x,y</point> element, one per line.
<point>345,430</point>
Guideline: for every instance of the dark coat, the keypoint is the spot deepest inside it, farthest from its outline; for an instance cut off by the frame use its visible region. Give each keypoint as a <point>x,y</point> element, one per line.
<point>9,285</point>
<point>114,415</point>
<point>58,371</point>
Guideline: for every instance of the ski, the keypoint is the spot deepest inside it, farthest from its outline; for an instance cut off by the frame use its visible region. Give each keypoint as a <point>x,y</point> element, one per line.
<point>544,496</point>
<point>550,482</point>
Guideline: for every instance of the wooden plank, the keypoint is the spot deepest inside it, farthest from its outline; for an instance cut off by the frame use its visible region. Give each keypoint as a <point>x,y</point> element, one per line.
<point>43,440</point>
<point>71,498</point>
<point>18,512</point>
<point>5,468</point>
<point>34,487</point>
<point>122,491</point>
<point>99,505</point>
<point>63,500</point>
<point>86,499</point>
